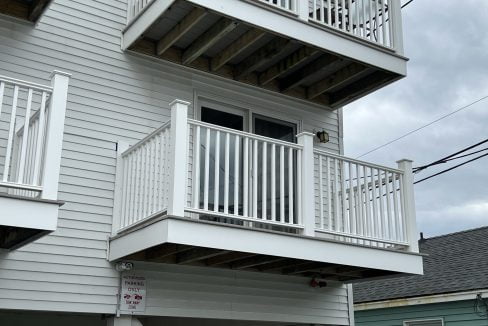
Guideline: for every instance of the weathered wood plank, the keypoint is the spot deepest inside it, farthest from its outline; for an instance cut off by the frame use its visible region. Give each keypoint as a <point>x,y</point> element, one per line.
<point>341,77</point>
<point>260,57</point>
<point>208,39</point>
<point>237,47</point>
<point>170,38</point>
<point>293,60</point>
<point>324,62</point>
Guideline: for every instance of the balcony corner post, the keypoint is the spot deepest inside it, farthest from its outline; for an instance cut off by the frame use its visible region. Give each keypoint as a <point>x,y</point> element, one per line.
<point>307,172</point>
<point>302,9</point>
<point>54,135</point>
<point>396,20</point>
<point>119,187</point>
<point>409,202</point>
<point>178,158</point>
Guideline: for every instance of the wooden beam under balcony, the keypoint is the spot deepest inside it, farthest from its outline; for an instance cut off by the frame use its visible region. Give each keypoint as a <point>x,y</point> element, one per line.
<point>208,39</point>
<point>290,62</point>
<point>187,23</point>
<point>227,258</point>
<point>341,77</point>
<point>197,254</point>
<point>237,47</point>
<point>325,62</point>
<point>261,57</point>
<point>255,261</point>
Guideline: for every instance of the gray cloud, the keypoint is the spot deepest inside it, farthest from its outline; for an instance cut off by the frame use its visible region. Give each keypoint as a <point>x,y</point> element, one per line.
<point>447,43</point>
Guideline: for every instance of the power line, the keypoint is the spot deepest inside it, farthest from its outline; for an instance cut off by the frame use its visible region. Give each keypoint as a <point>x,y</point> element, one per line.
<point>451,157</point>
<point>424,126</point>
<point>407,3</point>
<point>454,167</point>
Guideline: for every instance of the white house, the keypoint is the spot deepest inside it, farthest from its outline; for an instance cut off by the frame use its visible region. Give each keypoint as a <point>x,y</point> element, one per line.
<point>179,162</point>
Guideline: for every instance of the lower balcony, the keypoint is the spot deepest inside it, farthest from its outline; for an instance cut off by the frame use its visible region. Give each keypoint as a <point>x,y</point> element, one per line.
<point>196,193</point>
<point>31,135</point>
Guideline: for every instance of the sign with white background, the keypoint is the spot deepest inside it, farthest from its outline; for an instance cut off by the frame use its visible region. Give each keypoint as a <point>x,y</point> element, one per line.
<point>133,293</point>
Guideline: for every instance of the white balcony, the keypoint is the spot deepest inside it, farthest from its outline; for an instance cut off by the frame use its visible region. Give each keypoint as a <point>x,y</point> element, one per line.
<point>196,193</point>
<point>31,135</point>
<point>330,52</point>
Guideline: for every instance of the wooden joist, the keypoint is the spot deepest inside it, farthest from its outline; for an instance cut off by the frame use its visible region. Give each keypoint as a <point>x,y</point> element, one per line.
<point>290,62</point>
<point>326,61</point>
<point>164,251</point>
<point>237,47</point>
<point>254,261</point>
<point>197,254</point>
<point>305,267</point>
<point>341,77</point>
<point>208,39</point>
<point>227,258</point>
<point>261,57</point>
<point>170,38</point>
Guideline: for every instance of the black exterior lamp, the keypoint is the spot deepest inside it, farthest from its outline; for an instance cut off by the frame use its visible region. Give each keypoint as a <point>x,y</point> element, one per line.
<point>323,136</point>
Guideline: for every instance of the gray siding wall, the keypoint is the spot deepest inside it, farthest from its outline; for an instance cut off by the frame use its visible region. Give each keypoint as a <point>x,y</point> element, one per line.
<point>112,96</point>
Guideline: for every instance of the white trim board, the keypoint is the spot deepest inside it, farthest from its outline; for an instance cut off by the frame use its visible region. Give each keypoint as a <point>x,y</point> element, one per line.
<point>428,299</point>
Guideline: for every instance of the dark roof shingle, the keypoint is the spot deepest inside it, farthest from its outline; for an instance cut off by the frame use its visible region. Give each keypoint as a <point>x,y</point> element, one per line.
<point>455,262</point>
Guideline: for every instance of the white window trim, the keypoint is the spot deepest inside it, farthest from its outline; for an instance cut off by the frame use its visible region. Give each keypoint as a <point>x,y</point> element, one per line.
<point>409,322</point>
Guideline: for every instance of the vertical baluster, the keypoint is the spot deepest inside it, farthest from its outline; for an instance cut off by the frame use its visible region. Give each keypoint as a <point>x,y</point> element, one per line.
<point>291,197</point>
<point>264,184</point>
<point>2,91</point>
<point>282,184</point>
<point>403,212</point>
<point>336,13</point>
<point>164,170</point>
<point>359,203</point>
<point>236,175</point>
<point>352,207</point>
<point>10,140</point>
<point>197,167</point>
<point>343,15</point>
<point>226,174</point>
<point>377,21</point>
<point>368,221</point>
<point>371,26</point>
<point>152,176</point>
<point>255,179</point>
<point>350,24</point>
<point>390,23</point>
<point>329,194</point>
<point>382,205</point>
<point>329,13</point>
<point>207,170</point>
<point>127,187</point>
<point>314,10</point>
<point>145,182</point>
<point>321,194</point>
<point>383,21</point>
<point>299,187</point>
<point>358,23</point>
<point>217,172</point>
<point>396,217</point>
<point>40,138</point>
<point>137,203</point>
<point>375,204</point>
<point>336,196</point>
<point>245,170</point>
<point>388,206</point>
<point>322,17</point>
<point>158,159</point>
<point>273,182</point>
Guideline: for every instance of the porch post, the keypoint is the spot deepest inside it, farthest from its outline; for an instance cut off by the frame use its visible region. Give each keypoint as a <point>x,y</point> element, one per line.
<point>307,172</point>
<point>397,26</point>
<point>409,203</point>
<point>125,320</point>
<point>178,158</point>
<point>54,135</point>
<point>302,9</point>
<point>119,187</point>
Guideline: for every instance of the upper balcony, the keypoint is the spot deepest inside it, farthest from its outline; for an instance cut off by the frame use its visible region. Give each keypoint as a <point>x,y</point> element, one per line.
<point>193,192</point>
<point>29,10</point>
<point>31,135</point>
<point>329,52</point>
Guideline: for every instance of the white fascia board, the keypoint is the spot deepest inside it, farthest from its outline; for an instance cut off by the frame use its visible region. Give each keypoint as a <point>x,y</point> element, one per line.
<point>428,299</point>
<point>142,22</point>
<point>211,235</point>
<point>26,213</point>
<point>290,26</point>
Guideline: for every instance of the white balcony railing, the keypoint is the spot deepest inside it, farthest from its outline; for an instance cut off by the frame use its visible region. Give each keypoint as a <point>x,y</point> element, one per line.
<point>31,133</point>
<point>376,21</point>
<point>192,169</point>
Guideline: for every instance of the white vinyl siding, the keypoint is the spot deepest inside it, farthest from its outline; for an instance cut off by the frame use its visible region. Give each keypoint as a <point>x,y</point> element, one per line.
<point>112,96</point>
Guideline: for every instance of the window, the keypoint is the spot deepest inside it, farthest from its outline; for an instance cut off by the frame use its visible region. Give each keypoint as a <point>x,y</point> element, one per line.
<point>424,322</point>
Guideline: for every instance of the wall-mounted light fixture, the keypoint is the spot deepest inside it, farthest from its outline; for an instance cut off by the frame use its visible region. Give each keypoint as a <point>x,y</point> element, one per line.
<point>323,136</point>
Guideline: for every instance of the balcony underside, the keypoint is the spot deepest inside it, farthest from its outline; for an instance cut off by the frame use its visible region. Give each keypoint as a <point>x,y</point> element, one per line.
<point>29,10</point>
<point>192,242</point>
<point>227,47</point>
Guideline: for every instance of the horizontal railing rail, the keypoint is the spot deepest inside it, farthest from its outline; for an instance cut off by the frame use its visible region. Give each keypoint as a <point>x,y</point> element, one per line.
<point>360,201</point>
<point>245,176</point>
<point>145,177</point>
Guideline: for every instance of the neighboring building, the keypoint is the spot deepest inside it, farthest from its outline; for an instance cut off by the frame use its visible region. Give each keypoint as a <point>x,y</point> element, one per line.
<point>184,165</point>
<point>453,290</point>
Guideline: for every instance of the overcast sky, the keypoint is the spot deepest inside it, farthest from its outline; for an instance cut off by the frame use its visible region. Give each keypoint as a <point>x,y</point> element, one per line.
<point>447,43</point>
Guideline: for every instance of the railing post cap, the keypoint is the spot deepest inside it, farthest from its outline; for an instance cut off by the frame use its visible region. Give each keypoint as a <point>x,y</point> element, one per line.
<point>179,102</point>
<point>60,73</point>
<point>404,160</point>
<point>306,133</point>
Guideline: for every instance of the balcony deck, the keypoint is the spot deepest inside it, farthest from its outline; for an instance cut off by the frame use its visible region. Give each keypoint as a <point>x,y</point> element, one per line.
<point>330,55</point>
<point>271,206</point>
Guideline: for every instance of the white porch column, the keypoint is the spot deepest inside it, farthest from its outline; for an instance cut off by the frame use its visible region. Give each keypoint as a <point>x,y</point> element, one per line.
<point>178,158</point>
<point>302,9</point>
<point>54,135</point>
<point>409,202</point>
<point>396,20</point>
<point>308,196</point>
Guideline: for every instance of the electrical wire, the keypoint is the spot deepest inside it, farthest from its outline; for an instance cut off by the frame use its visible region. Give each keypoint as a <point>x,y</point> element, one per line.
<point>407,3</point>
<point>424,126</point>
<point>452,156</point>
<point>454,167</point>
